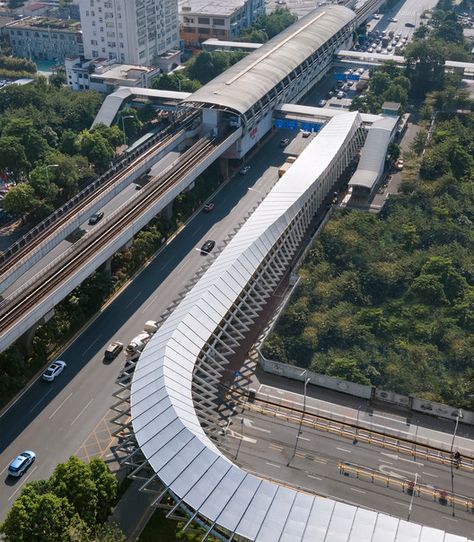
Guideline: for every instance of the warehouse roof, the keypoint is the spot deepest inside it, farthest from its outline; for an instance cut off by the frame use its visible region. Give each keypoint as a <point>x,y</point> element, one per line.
<point>245,83</point>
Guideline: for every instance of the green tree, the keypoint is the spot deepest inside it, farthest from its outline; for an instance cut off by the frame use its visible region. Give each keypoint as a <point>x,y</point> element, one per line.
<point>38,518</point>
<point>20,200</point>
<point>96,148</point>
<point>347,369</point>
<point>13,157</point>
<point>425,65</point>
<point>33,142</point>
<point>58,79</point>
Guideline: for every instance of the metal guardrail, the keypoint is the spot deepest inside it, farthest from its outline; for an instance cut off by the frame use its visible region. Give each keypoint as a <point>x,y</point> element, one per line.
<point>351,431</point>
<point>442,496</point>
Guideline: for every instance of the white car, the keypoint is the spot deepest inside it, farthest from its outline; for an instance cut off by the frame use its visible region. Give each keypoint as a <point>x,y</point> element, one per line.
<point>55,369</point>
<point>244,170</point>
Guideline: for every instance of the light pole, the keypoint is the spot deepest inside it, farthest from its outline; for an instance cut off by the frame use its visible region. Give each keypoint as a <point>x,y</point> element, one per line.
<point>306,382</point>
<point>459,416</point>
<point>47,167</point>
<point>123,126</point>
<point>357,425</point>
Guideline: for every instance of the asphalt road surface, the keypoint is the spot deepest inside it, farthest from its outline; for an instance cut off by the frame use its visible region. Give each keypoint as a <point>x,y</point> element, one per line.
<point>265,445</point>
<point>54,419</point>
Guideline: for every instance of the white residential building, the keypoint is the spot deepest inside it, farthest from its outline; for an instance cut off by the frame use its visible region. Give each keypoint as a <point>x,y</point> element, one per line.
<point>129,31</point>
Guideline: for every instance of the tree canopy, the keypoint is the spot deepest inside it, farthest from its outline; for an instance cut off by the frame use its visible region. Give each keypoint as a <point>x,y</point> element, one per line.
<point>72,505</point>
<point>387,300</point>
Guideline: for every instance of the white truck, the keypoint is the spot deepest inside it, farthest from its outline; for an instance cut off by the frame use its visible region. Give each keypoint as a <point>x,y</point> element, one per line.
<point>137,344</point>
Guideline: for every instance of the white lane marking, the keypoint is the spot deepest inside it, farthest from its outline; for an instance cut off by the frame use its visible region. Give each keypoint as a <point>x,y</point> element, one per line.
<point>387,470</point>
<point>385,462</point>
<point>398,458</point>
<point>322,461</point>
<point>450,519</point>
<point>50,417</point>
<point>81,412</point>
<point>273,465</point>
<point>304,438</point>
<point>22,483</point>
<point>242,437</point>
<point>357,490</point>
<point>41,400</point>
<point>181,267</point>
<point>6,467</point>
<point>275,447</point>
<point>90,345</point>
<point>344,450</point>
<point>432,475</point>
<point>134,299</point>
<point>401,503</point>
<point>152,300</point>
<point>314,477</point>
<point>250,423</point>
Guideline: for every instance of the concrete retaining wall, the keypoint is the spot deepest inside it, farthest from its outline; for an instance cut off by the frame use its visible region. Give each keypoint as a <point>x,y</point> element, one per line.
<point>411,403</point>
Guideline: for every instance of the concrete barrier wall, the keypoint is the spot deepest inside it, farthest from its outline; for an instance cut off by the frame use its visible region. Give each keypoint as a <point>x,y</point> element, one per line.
<point>366,392</point>
<point>330,382</point>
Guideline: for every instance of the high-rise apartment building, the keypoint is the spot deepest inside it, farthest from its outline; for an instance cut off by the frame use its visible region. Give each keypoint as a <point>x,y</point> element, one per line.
<point>130,31</point>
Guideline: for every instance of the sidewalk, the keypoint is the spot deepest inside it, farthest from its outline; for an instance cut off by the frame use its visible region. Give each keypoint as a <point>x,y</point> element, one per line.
<point>133,511</point>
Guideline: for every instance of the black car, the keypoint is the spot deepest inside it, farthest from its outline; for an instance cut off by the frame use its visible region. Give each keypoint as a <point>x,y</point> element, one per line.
<point>208,246</point>
<point>96,217</point>
<point>410,25</point>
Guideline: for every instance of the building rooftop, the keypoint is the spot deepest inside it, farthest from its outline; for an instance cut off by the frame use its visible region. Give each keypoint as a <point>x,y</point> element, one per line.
<point>47,23</point>
<point>262,70</point>
<point>210,7</point>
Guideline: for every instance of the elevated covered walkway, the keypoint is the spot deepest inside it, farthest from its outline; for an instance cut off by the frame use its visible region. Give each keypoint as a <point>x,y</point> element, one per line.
<point>171,393</point>
<point>112,104</point>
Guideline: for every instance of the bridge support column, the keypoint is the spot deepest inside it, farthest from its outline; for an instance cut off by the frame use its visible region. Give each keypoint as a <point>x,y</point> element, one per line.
<point>127,245</point>
<point>224,168</point>
<point>108,265</point>
<point>26,339</point>
<point>167,212</point>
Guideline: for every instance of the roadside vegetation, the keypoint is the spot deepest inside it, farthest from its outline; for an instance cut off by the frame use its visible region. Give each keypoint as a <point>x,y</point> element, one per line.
<point>388,300</point>
<point>16,68</point>
<point>73,505</point>
<point>19,363</point>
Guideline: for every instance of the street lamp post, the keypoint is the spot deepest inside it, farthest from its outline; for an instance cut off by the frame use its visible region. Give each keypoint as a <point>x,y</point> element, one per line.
<point>306,382</point>
<point>47,167</point>
<point>459,416</point>
<point>123,127</point>
<point>357,425</point>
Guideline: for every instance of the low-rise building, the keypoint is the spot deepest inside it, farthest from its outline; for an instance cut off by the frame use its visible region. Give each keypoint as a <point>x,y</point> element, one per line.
<point>45,38</point>
<point>106,76</point>
<point>222,19</point>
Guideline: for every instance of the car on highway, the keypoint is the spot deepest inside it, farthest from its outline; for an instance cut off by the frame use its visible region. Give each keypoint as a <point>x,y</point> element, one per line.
<point>96,217</point>
<point>208,207</point>
<point>410,25</point>
<point>340,95</point>
<point>322,103</point>
<point>54,370</point>
<point>113,350</point>
<point>284,142</point>
<point>393,20</point>
<point>244,170</point>
<point>208,246</point>
<point>21,463</point>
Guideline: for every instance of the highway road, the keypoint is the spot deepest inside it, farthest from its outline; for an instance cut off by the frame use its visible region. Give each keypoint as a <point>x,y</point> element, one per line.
<point>265,445</point>
<point>407,11</point>
<point>54,419</point>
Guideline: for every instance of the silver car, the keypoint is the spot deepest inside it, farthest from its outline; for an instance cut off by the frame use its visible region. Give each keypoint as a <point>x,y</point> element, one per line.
<point>55,369</point>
